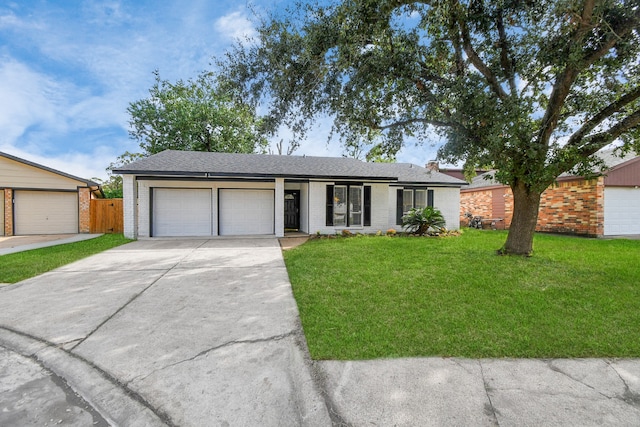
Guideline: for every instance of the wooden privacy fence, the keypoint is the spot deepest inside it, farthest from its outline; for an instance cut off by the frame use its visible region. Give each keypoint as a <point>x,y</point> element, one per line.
<point>106,216</point>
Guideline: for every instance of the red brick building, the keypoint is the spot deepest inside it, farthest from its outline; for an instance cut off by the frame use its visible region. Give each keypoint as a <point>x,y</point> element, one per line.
<point>608,205</point>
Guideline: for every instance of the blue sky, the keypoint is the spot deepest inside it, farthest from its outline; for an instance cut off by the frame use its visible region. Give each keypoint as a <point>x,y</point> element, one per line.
<point>69,69</point>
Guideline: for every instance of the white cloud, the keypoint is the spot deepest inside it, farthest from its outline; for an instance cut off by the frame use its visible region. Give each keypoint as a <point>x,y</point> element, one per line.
<point>28,99</point>
<point>235,25</point>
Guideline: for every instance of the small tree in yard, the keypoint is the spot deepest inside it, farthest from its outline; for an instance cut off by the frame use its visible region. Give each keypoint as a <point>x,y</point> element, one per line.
<point>420,220</point>
<point>531,88</point>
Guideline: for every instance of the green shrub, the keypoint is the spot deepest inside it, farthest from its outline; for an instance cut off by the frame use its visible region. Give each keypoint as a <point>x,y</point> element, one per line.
<point>421,220</point>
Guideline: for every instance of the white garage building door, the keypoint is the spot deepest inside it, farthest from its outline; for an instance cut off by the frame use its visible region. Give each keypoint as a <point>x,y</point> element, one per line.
<point>181,212</point>
<point>246,212</point>
<point>621,207</point>
<point>45,212</point>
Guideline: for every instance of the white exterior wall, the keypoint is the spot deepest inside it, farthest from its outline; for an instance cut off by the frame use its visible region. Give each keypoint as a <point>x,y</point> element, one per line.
<point>144,199</point>
<point>317,209</point>
<point>130,206</point>
<point>445,199</point>
<point>279,207</point>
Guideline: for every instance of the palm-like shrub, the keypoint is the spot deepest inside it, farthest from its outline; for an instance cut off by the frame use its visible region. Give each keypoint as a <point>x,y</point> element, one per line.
<point>420,220</point>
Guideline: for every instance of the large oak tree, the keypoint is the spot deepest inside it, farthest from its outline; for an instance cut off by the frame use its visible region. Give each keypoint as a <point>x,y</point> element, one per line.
<point>532,88</point>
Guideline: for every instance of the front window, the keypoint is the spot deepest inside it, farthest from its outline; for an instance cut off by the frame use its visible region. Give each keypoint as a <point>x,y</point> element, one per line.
<point>355,205</point>
<point>407,201</point>
<point>347,205</point>
<point>340,205</point>
<point>421,199</point>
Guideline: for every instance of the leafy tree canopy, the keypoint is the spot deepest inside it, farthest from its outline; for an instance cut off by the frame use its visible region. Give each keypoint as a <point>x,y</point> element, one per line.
<point>531,88</point>
<point>194,115</point>
<point>112,187</point>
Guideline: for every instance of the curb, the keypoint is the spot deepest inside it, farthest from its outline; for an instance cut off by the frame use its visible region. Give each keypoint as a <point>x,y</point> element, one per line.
<point>115,403</point>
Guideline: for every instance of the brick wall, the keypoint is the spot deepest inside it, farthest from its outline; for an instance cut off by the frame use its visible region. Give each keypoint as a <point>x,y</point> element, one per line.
<point>478,203</point>
<point>8,212</point>
<point>575,207</point>
<point>84,210</point>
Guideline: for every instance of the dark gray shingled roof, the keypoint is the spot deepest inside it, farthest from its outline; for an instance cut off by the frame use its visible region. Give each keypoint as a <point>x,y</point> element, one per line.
<point>196,163</point>
<point>487,179</point>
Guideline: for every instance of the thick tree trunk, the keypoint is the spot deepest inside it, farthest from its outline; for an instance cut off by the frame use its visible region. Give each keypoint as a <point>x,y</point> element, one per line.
<point>526,203</point>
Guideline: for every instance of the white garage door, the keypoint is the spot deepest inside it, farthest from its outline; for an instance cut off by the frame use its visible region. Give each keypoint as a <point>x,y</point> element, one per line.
<point>246,212</point>
<point>45,212</point>
<point>181,212</point>
<point>621,207</point>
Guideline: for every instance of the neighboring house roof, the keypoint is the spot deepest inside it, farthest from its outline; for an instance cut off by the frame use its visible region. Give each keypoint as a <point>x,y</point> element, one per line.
<point>88,182</point>
<point>611,161</point>
<point>408,173</point>
<point>205,164</point>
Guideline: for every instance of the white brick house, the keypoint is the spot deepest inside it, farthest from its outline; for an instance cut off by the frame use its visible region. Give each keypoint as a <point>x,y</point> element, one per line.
<point>183,193</point>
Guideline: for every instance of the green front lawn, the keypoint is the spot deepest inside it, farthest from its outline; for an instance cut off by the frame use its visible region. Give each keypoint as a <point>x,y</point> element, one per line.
<point>372,297</point>
<point>23,265</point>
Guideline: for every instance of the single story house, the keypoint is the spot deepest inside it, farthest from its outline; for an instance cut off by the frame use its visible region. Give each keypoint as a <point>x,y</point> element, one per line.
<point>184,193</point>
<point>604,206</point>
<point>40,200</point>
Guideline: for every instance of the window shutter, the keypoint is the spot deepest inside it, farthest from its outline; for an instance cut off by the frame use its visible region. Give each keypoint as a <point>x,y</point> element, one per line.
<point>367,205</point>
<point>399,206</point>
<point>430,198</point>
<point>329,205</point>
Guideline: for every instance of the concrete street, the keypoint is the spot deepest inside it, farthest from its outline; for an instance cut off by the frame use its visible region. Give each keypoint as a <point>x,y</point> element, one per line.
<point>194,332</point>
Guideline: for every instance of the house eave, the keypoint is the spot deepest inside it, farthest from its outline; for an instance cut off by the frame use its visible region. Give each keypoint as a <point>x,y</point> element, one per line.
<point>230,175</point>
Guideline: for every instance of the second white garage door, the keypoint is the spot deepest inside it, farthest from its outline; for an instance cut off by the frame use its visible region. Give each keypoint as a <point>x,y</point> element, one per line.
<point>181,212</point>
<point>45,212</point>
<point>621,207</point>
<point>246,212</point>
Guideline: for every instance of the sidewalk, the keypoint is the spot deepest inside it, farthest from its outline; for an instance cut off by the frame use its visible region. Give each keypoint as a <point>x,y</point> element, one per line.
<point>14,244</point>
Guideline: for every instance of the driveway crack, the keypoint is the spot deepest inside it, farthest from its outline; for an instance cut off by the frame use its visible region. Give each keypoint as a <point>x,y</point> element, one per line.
<point>212,349</point>
<point>555,368</point>
<point>115,313</point>
<point>490,409</point>
<point>628,396</point>
<point>133,298</point>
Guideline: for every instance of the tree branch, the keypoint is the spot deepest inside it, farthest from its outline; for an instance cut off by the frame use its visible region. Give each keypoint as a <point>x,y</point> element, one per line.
<point>605,113</point>
<point>567,77</point>
<point>597,141</point>
<point>506,62</point>
<point>477,62</point>
<point>423,121</point>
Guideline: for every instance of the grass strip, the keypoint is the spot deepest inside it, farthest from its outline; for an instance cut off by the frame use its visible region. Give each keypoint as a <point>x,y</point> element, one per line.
<point>23,265</point>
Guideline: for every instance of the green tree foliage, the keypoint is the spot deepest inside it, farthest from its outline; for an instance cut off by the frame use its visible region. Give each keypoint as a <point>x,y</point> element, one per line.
<point>194,115</point>
<point>112,187</point>
<point>531,88</point>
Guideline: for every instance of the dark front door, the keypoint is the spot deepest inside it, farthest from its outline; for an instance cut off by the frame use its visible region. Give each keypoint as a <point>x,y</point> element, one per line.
<point>292,209</point>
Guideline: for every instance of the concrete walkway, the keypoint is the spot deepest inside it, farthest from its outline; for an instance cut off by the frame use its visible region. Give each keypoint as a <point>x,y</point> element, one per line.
<point>14,244</point>
<point>206,332</point>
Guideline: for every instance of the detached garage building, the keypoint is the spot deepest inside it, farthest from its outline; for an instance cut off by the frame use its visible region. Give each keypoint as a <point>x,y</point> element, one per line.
<point>183,193</point>
<point>605,206</point>
<point>40,200</point>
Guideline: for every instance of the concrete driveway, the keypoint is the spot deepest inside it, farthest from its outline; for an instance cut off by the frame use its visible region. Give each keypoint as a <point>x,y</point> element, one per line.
<point>206,332</point>
<point>176,332</point>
